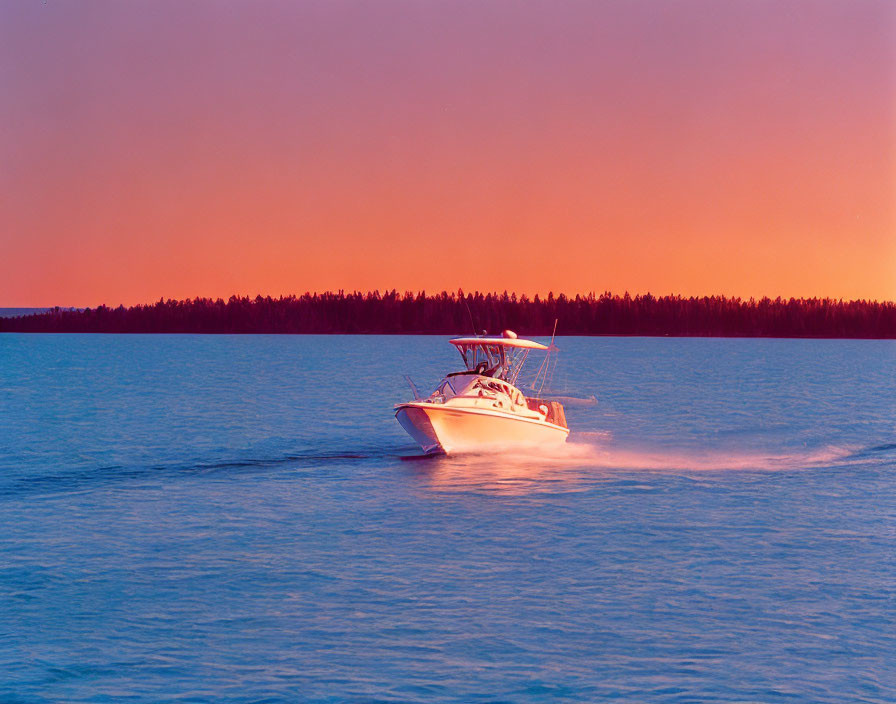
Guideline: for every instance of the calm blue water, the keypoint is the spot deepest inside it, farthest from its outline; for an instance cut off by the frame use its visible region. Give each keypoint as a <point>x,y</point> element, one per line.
<point>234,519</point>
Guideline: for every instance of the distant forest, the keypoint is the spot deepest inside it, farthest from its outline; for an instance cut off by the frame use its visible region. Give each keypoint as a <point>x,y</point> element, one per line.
<point>459,313</point>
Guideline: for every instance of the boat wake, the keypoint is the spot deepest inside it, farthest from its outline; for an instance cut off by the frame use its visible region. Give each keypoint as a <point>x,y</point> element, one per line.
<point>592,457</point>
<point>713,459</point>
<point>576,465</point>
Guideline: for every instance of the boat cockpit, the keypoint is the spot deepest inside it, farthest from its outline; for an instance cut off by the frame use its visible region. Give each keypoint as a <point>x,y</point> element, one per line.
<point>497,357</point>
<point>487,360</point>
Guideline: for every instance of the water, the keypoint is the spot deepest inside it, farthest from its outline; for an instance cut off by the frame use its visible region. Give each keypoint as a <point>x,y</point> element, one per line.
<point>236,519</point>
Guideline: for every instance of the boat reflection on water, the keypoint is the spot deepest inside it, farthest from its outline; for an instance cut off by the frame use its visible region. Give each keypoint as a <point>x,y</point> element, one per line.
<point>562,468</point>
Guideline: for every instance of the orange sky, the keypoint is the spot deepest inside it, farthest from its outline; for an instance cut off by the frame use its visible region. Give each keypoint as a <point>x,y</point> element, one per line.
<point>169,149</point>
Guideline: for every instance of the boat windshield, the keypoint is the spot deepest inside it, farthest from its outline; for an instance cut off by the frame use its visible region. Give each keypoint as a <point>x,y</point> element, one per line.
<point>496,361</point>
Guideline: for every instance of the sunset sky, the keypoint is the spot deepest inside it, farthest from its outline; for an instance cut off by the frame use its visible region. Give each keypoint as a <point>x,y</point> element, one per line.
<point>178,149</point>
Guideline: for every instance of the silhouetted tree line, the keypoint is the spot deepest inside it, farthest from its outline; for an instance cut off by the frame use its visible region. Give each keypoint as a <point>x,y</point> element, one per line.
<point>453,313</point>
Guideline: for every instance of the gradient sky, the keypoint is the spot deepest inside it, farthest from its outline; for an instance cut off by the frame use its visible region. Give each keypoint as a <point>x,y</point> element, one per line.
<point>178,149</point>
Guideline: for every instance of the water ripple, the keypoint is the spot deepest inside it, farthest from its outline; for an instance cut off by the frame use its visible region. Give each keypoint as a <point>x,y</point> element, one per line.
<point>202,519</point>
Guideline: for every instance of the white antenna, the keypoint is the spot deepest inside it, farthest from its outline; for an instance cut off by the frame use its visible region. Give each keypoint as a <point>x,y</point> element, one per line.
<point>545,365</point>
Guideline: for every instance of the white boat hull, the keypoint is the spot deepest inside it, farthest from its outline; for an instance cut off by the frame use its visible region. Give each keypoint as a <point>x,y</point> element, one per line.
<point>443,428</point>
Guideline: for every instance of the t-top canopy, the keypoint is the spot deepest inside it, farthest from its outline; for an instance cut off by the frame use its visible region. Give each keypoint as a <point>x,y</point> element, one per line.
<point>499,341</point>
<point>499,357</point>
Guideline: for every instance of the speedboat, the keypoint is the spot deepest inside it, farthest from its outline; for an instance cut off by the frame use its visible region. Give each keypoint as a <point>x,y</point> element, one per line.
<point>480,408</point>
